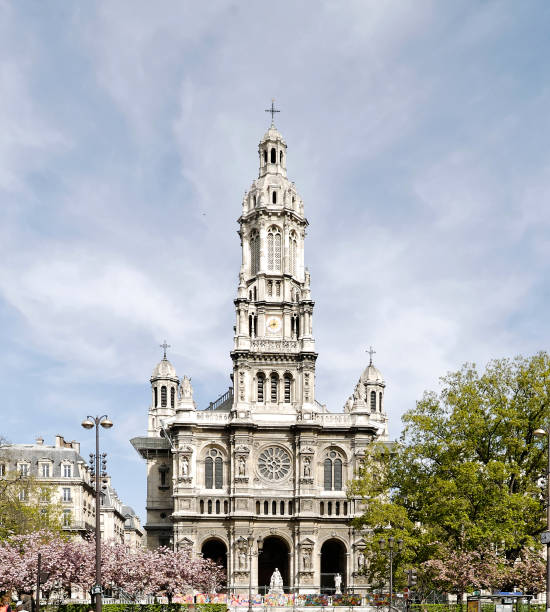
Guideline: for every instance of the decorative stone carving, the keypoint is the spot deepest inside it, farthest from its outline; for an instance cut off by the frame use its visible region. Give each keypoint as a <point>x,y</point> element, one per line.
<point>241,466</point>
<point>307,466</point>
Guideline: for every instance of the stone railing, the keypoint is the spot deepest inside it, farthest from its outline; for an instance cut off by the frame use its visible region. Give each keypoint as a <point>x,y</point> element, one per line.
<point>275,346</point>
<point>225,398</point>
<point>336,419</point>
<point>209,416</point>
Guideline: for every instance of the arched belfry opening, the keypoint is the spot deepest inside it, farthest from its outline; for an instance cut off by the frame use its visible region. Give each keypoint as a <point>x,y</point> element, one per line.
<point>217,551</point>
<point>333,561</point>
<point>275,554</point>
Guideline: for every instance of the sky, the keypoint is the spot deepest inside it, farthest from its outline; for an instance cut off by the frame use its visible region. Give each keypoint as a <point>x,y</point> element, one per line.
<point>417,136</point>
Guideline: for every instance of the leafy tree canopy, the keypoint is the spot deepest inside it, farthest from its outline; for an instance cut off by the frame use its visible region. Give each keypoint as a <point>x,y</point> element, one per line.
<point>467,473</point>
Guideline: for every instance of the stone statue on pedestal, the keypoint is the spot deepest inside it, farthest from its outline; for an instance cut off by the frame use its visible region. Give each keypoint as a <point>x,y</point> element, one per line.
<point>276,583</point>
<point>338,584</point>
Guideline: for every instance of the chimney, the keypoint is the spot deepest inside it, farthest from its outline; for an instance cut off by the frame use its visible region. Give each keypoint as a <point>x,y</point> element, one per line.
<point>76,446</point>
<point>40,440</point>
<point>59,441</point>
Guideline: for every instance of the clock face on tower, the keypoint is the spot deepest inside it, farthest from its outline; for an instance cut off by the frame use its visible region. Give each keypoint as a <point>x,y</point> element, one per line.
<point>273,324</point>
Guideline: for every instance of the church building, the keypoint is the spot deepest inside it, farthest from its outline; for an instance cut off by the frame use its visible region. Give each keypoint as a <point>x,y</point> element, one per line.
<point>257,480</point>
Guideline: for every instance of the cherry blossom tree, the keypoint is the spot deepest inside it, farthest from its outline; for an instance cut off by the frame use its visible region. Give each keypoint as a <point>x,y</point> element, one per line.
<point>68,563</point>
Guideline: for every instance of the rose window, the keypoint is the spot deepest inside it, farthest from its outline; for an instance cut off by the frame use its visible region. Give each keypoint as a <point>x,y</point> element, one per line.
<point>274,463</point>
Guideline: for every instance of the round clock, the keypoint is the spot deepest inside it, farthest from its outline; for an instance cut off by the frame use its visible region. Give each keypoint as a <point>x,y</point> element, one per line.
<point>273,324</point>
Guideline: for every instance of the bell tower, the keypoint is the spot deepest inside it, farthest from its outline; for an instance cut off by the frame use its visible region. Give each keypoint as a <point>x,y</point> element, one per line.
<point>274,350</point>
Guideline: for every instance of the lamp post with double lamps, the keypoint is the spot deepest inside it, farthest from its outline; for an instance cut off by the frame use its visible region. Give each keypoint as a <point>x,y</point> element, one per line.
<point>545,433</point>
<point>250,542</point>
<point>89,423</point>
<point>391,546</point>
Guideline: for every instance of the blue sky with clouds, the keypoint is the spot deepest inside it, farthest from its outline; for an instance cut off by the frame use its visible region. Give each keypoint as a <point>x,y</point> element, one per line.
<point>418,137</point>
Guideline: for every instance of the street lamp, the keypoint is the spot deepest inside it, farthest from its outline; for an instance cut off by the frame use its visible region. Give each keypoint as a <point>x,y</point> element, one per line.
<point>250,541</point>
<point>89,423</point>
<point>391,545</point>
<point>542,433</point>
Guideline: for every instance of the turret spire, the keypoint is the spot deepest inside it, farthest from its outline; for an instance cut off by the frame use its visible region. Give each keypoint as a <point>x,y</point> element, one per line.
<point>165,346</point>
<point>272,110</point>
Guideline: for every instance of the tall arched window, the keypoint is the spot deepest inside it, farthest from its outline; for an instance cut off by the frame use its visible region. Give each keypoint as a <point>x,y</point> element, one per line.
<point>173,397</point>
<point>261,387</point>
<point>281,157</point>
<point>273,507</point>
<point>380,401</point>
<point>288,388</point>
<point>274,388</point>
<point>337,465</point>
<point>373,401</point>
<point>163,397</point>
<point>328,475</point>
<point>213,470</point>
<point>274,197</point>
<point>266,507</point>
<point>254,252</point>
<point>292,248</point>
<point>156,397</point>
<point>218,469</point>
<point>265,157</point>
<point>274,241</point>
<point>332,479</point>
<point>273,156</point>
<point>209,473</point>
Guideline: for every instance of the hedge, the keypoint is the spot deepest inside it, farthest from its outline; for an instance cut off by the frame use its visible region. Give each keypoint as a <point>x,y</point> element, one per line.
<point>144,607</point>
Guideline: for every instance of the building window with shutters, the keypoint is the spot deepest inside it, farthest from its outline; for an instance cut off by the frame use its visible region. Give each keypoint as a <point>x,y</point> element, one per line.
<point>261,387</point>
<point>173,397</point>
<point>163,397</point>
<point>213,470</point>
<point>292,250</point>
<point>274,241</point>
<point>332,472</point>
<point>274,388</point>
<point>288,388</point>
<point>373,401</point>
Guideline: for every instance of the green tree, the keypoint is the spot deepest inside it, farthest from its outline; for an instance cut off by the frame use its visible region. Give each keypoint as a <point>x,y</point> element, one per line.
<point>26,504</point>
<point>466,473</point>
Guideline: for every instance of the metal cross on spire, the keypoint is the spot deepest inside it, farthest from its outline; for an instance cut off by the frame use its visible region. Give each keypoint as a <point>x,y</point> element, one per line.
<point>272,110</point>
<point>165,346</point>
<point>371,352</point>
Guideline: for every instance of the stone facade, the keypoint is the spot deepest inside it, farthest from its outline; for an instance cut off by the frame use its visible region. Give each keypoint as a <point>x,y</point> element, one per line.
<point>61,467</point>
<point>258,479</point>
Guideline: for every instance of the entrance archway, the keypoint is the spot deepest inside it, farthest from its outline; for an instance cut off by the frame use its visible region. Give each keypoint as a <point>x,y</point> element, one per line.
<point>333,561</point>
<point>275,554</point>
<point>217,551</point>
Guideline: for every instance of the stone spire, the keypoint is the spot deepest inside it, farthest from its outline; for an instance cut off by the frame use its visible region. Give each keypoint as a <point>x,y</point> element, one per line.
<point>273,305</point>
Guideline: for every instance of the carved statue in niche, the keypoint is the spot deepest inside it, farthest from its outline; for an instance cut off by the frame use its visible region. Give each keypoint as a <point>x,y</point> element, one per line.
<point>306,559</point>
<point>307,467</point>
<point>241,466</point>
<point>337,584</point>
<point>185,466</point>
<point>361,560</point>
<point>242,559</point>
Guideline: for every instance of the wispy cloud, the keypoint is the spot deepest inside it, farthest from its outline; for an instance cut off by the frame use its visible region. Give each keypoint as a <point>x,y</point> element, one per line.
<point>417,136</point>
